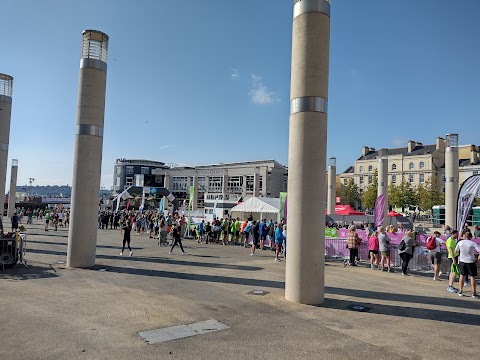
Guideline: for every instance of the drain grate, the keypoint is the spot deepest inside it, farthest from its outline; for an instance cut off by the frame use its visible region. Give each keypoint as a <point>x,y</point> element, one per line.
<point>182,331</point>
<point>359,308</point>
<point>258,292</point>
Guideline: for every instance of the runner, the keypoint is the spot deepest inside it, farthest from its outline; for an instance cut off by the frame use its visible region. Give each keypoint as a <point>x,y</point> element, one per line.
<point>373,247</point>
<point>384,246</point>
<point>278,241</point>
<point>176,240</point>
<point>451,244</point>
<point>263,233</point>
<point>436,255</point>
<point>468,265</point>
<point>126,238</point>
<point>256,237</point>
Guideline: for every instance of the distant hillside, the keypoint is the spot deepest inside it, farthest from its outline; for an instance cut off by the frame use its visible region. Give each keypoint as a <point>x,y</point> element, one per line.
<point>47,191</point>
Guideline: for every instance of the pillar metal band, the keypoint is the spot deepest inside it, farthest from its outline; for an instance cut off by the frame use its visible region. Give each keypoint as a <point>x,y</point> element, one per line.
<point>331,186</point>
<point>382,160</point>
<point>308,6</point>
<point>451,179</point>
<point>308,104</point>
<point>5,99</point>
<point>3,147</point>
<point>93,63</point>
<point>84,129</point>
<point>381,183</point>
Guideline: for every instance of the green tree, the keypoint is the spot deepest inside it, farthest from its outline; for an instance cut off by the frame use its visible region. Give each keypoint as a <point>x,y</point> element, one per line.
<point>430,195</point>
<point>394,196</point>
<point>370,193</point>
<point>350,193</point>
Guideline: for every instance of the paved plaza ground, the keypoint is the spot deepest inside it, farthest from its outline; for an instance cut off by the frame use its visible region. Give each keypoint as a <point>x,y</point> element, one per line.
<point>49,312</point>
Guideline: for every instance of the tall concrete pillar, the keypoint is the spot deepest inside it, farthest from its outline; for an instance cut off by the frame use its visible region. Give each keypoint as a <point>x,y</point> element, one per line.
<point>167,182</point>
<point>225,186</point>
<point>383,180</point>
<point>451,180</point>
<point>13,188</point>
<point>244,187</point>
<point>195,194</point>
<point>256,183</point>
<point>332,182</point>
<point>6,87</point>
<point>82,237</point>
<point>305,267</point>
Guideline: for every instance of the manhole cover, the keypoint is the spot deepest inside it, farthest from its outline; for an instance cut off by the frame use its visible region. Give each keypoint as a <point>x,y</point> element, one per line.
<point>60,262</point>
<point>102,270</point>
<point>258,292</point>
<point>358,308</point>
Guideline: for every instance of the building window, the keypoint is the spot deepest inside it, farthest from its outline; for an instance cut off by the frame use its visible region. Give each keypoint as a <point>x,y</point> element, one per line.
<point>345,181</point>
<point>394,166</point>
<point>362,169</point>
<point>179,183</point>
<point>394,179</point>
<point>250,182</point>
<point>129,181</point>
<point>370,179</point>
<point>215,184</point>
<point>411,166</point>
<point>144,170</point>
<point>118,170</point>
<point>129,170</point>
<point>370,168</point>
<point>422,165</point>
<point>361,179</point>
<point>422,178</point>
<point>235,184</point>
<point>410,178</point>
<point>117,181</point>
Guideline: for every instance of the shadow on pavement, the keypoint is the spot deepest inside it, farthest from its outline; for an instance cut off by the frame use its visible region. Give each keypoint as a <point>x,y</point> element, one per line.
<point>65,244</point>
<point>407,312</point>
<point>28,273</point>
<point>451,301</point>
<point>159,260</point>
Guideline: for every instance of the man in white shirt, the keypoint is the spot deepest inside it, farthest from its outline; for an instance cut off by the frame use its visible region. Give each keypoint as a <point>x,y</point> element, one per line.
<point>468,266</point>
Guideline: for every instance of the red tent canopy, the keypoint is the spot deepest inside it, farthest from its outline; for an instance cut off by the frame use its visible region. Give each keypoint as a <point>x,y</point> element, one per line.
<point>346,210</point>
<point>394,213</point>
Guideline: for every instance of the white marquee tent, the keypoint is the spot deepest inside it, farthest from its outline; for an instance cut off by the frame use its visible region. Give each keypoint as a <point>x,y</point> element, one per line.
<point>259,207</point>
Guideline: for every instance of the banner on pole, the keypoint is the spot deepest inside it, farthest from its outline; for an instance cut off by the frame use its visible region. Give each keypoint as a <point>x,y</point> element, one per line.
<point>143,200</point>
<point>379,210</point>
<point>466,198</point>
<point>283,206</point>
<point>192,197</point>
<point>161,207</point>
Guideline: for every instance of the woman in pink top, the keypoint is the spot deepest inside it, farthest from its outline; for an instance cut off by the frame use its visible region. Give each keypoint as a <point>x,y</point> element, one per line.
<point>373,249</point>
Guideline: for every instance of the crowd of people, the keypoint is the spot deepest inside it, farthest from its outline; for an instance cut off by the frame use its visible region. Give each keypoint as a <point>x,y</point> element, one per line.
<point>462,260</point>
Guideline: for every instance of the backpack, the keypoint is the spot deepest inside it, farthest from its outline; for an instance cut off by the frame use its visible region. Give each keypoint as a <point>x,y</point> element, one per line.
<point>431,243</point>
<point>402,246</point>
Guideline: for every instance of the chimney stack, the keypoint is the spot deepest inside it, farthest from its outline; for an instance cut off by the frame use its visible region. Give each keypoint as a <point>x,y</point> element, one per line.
<point>440,143</point>
<point>473,155</point>
<point>365,150</point>
<point>411,145</point>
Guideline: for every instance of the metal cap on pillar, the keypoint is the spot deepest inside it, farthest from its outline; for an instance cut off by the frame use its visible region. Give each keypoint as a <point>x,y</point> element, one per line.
<point>332,162</point>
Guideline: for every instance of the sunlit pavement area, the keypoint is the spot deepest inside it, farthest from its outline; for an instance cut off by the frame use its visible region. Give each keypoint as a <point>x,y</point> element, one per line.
<point>50,312</point>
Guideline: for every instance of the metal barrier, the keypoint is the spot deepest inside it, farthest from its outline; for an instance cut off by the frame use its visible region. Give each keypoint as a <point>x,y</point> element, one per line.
<point>336,249</point>
<point>12,250</point>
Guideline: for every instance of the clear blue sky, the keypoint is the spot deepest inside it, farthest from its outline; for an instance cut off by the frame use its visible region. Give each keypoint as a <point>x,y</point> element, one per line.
<point>196,82</point>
